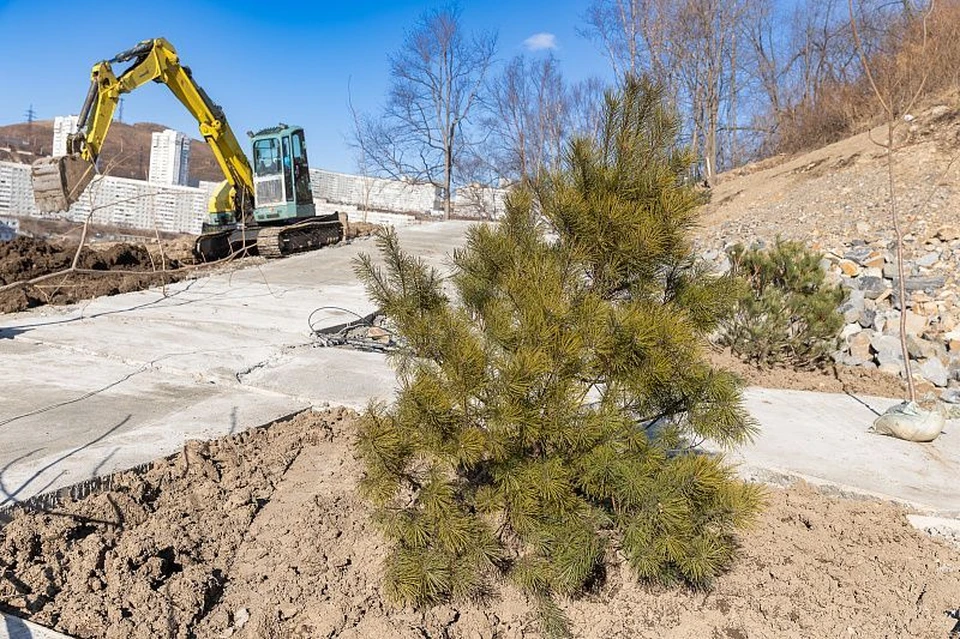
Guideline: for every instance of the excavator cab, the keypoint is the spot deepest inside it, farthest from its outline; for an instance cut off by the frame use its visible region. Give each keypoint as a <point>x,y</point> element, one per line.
<point>281,175</point>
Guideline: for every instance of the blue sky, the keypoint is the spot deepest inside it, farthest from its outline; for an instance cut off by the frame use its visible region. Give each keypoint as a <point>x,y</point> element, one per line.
<point>264,62</point>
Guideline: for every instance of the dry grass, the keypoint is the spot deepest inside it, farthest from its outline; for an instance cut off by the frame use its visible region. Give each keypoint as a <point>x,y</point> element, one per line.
<point>899,63</point>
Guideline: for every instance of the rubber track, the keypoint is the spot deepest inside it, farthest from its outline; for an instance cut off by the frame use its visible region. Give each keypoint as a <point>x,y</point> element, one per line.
<point>277,241</point>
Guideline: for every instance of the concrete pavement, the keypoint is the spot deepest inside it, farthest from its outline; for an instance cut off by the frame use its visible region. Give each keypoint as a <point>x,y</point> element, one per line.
<point>12,627</point>
<point>824,438</point>
<point>115,382</point>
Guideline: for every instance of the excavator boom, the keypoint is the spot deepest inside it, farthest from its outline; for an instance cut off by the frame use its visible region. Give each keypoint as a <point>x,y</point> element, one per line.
<point>59,182</point>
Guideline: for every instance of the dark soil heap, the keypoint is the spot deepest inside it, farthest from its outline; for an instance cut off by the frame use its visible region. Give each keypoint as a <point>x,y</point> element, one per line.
<point>25,258</point>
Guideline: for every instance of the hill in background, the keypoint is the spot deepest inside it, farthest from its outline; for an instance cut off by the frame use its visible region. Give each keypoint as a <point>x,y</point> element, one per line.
<point>126,152</point>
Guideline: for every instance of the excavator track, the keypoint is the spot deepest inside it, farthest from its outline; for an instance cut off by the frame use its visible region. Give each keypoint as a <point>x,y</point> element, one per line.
<point>213,246</point>
<point>277,241</point>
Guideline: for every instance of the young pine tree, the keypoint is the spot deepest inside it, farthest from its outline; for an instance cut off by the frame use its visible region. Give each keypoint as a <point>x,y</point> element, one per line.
<point>546,420</point>
<point>786,311</point>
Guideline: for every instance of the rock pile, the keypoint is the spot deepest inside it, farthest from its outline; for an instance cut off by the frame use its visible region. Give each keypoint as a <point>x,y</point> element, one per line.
<point>829,197</point>
<point>872,309</point>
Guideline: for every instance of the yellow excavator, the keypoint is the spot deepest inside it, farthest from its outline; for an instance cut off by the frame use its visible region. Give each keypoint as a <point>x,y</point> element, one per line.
<point>267,207</point>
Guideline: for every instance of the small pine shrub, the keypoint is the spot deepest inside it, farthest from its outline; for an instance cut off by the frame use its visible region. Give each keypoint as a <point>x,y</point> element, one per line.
<point>547,419</point>
<point>786,313</point>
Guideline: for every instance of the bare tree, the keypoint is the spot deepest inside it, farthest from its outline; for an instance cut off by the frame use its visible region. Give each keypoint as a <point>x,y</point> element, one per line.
<point>527,117</point>
<point>436,79</point>
<point>586,103</point>
<point>634,35</point>
<point>690,46</point>
<point>897,88</point>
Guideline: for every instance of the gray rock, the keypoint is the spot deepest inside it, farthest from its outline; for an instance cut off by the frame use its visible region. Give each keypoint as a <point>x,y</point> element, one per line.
<point>879,322</point>
<point>846,359</point>
<point>867,318</point>
<point>928,260</point>
<point>929,284</point>
<point>890,269</point>
<point>723,265</point>
<point>954,366</point>
<point>920,348</point>
<point>951,395</point>
<point>859,254</point>
<point>935,372</point>
<point>887,349</point>
<point>850,330</point>
<point>872,287</point>
<point>241,617</point>
<point>854,305</point>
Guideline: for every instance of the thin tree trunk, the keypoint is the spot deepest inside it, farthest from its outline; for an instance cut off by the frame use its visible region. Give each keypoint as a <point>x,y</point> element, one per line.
<point>902,286</point>
<point>448,176</point>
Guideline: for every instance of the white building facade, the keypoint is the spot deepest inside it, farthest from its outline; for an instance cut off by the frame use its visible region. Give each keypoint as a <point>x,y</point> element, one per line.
<point>373,194</point>
<point>169,158</point>
<point>63,125</point>
<point>114,201</point>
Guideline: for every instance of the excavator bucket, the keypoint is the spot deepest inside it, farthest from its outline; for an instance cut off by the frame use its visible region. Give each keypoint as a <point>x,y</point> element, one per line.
<point>58,182</point>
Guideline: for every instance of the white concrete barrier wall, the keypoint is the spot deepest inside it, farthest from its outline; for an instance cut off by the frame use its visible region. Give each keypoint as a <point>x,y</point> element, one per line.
<point>139,204</point>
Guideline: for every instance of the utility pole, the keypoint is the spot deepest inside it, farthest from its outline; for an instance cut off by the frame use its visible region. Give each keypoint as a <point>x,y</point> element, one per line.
<point>31,115</point>
<point>120,111</point>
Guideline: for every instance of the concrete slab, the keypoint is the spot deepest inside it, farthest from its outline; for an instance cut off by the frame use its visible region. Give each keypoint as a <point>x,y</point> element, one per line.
<point>12,627</point>
<point>120,381</point>
<point>825,438</point>
<point>332,376</point>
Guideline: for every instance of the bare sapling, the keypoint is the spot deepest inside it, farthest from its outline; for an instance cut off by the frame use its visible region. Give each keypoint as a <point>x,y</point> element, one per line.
<point>894,103</point>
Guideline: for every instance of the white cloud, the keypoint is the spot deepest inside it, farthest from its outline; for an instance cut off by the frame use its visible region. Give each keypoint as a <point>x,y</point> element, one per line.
<point>540,41</point>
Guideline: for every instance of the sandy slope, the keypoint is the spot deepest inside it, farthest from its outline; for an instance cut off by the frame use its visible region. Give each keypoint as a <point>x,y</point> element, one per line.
<point>839,193</point>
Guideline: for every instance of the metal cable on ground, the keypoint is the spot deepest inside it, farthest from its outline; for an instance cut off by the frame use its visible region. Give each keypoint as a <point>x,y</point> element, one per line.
<point>345,334</point>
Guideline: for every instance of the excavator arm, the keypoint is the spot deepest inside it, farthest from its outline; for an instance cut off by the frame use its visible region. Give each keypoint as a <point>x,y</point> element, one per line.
<point>59,182</point>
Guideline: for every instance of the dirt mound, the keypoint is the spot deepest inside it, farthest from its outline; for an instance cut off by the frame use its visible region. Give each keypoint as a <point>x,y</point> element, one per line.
<point>833,379</point>
<point>25,258</point>
<point>262,535</point>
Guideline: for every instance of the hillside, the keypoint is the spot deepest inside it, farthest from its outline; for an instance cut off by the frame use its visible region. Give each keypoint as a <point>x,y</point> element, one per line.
<point>125,154</point>
<point>835,199</point>
<point>838,194</point>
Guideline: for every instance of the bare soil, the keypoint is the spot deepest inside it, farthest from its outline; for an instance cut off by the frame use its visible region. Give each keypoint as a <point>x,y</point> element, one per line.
<point>262,535</point>
<point>832,379</point>
<point>125,267</point>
